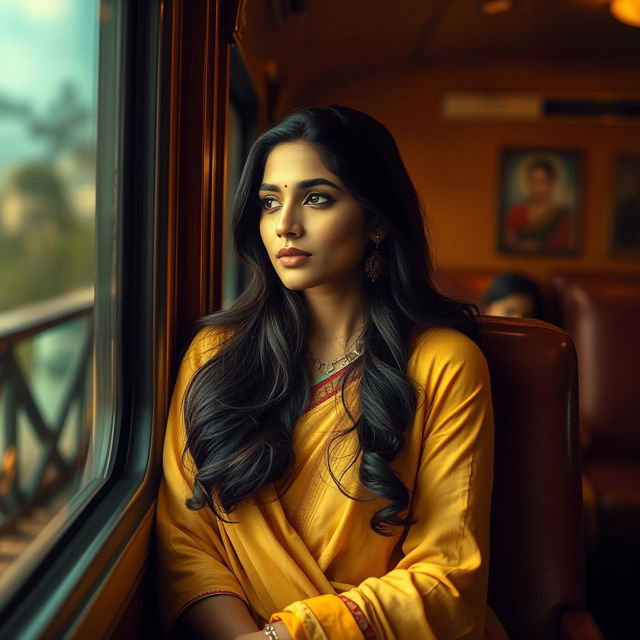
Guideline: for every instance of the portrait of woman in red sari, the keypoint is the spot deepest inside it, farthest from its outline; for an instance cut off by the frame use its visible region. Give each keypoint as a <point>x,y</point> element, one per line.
<point>540,220</point>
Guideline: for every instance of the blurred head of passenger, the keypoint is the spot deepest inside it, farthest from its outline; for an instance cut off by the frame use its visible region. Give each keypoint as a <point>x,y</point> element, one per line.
<point>514,295</point>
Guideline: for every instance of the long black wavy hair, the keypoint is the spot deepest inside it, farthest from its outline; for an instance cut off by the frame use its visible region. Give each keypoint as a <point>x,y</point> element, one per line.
<point>241,407</point>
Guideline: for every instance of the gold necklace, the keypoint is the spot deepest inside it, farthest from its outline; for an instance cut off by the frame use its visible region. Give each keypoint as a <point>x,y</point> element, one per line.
<point>348,357</point>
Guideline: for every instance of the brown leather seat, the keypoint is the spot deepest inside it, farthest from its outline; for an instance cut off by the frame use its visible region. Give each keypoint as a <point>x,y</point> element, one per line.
<point>537,581</point>
<point>602,314</point>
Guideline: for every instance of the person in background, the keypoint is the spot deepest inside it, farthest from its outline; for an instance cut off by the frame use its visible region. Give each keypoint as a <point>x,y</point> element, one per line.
<point>514,295</point>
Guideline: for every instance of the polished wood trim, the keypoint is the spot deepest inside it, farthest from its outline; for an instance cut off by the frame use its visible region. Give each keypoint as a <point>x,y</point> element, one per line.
<point>112,601</point>
<point>198,94</point>
<point>222,67</point>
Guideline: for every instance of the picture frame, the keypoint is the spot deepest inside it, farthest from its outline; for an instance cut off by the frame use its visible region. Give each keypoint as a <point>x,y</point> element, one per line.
<point>541,202</point>
<point>625,206</point>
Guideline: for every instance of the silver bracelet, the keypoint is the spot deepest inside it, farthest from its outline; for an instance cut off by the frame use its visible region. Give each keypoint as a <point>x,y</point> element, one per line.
<point>270,632</point>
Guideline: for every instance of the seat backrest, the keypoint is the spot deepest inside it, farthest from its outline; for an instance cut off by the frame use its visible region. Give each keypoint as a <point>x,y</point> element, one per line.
<point>602,314</point>
<point>537,556</point>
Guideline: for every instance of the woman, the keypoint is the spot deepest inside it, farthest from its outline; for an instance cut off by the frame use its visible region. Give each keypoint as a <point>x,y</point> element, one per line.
<point>336,422</point>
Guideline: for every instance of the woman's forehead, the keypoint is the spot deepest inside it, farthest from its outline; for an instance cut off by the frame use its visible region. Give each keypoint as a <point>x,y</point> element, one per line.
<point>293,162</point>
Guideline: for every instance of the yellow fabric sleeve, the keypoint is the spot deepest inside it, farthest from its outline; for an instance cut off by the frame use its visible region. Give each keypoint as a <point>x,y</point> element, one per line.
<point>189,554</point>
<point>439,588</point>
<point>318,619</point>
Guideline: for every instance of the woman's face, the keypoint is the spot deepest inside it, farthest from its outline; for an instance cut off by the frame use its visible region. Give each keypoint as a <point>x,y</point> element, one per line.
<point>306,207</point>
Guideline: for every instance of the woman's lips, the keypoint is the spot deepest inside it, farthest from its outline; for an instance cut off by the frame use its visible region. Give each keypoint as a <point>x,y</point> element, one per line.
<point>293,261</point>
<point>292,256</point>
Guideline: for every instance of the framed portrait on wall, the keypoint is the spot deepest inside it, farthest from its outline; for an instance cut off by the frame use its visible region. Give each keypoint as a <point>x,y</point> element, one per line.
<point>540,202</point>
<point>625,236</point>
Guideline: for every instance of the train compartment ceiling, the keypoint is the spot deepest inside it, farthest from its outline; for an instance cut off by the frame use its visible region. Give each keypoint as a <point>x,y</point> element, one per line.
<point>309,42</point>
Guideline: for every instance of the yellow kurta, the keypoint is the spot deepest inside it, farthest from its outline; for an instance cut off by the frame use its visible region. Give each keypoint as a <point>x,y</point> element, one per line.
<point>310,558</point>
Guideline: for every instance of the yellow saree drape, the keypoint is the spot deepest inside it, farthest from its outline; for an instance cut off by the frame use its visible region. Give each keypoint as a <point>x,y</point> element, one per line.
<point>310,558</point>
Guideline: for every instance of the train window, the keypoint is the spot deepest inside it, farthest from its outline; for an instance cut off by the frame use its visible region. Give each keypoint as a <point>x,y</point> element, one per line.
<point>57,234</point>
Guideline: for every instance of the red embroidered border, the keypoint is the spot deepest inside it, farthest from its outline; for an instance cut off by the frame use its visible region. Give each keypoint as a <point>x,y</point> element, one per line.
<point>361,620</point>
<point>327,388</point>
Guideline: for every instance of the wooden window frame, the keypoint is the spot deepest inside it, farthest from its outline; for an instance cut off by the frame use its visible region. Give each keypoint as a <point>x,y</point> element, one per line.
<point>175,90</point>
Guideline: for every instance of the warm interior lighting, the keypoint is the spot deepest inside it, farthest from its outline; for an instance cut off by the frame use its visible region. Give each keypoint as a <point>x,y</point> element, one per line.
<point>491,7</point>
<point>627,11</point>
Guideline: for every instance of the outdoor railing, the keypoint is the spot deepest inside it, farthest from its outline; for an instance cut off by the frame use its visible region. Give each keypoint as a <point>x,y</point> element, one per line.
<point>59,421</point>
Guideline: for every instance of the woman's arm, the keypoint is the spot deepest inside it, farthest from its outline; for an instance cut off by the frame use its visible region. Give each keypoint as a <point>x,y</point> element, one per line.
<point>222,618</point>
<point>219,617</point>
<point>191,560</point>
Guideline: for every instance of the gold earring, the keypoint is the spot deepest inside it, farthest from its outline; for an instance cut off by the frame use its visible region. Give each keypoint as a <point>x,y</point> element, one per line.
<point>375,262</point>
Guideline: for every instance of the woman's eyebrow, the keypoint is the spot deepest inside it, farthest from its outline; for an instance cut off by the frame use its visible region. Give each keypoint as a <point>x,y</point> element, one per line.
<point>305,184</point>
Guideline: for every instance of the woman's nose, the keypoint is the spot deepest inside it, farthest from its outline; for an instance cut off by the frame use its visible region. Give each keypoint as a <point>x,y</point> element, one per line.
<point>289,223</point>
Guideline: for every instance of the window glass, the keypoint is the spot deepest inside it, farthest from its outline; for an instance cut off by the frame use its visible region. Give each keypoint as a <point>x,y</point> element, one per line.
<point>51,460</point>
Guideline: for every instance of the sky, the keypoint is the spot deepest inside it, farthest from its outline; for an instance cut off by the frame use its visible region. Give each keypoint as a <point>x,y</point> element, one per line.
<point>44,43</point>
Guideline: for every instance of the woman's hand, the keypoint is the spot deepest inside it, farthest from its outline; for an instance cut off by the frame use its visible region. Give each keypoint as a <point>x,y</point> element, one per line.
<point>281,630</point>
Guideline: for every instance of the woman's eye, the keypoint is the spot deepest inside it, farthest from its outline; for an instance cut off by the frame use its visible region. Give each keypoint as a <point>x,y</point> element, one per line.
<point>269,202</point>
<point>318,198</point>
